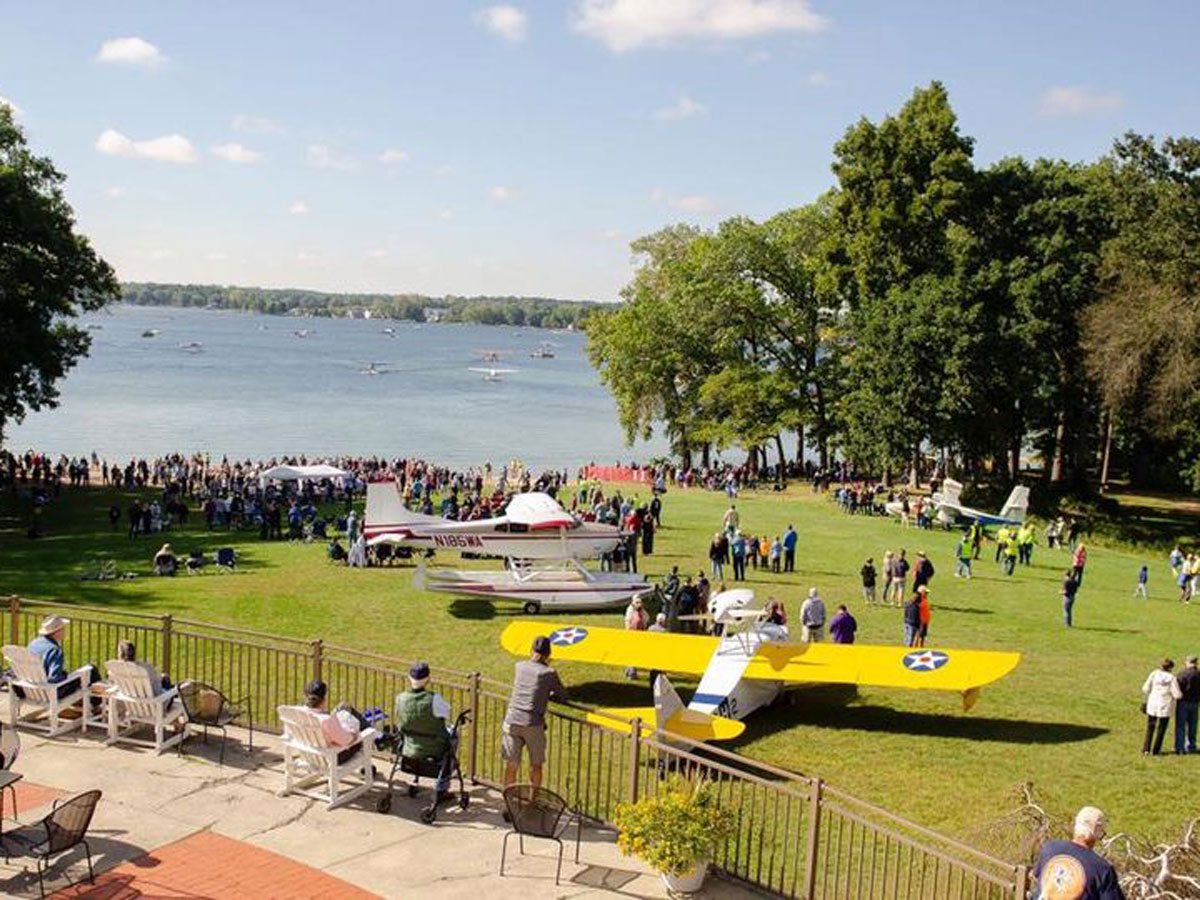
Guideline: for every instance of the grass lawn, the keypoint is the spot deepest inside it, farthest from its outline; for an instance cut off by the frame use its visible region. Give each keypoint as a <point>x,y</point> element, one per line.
<point>1067,719</point>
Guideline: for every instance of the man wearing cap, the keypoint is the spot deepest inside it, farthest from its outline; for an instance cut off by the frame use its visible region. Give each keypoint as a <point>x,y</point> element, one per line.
<point>1072,870</point>
<point>48,645</point>
<point>1187,707</point>
<point>534,684</point>
<point>423,718</point>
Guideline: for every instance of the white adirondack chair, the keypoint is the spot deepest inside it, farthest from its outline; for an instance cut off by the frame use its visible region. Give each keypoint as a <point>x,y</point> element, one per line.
<point>308,759</point>
<point>30,677</point>
<point>132,704</point>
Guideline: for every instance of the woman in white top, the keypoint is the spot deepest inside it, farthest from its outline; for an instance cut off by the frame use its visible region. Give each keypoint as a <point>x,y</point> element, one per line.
<point>636,619</point>
<point>1161,690</point>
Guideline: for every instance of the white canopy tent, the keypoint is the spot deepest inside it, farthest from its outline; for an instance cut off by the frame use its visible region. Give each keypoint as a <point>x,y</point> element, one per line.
<point>301,473</point>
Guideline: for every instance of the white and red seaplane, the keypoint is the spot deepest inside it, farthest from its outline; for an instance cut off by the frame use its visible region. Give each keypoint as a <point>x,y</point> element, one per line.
<point>533,526</point>
<point>541,542</point>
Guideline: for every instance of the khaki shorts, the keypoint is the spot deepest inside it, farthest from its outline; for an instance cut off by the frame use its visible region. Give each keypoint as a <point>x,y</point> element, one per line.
<point>514,738</point>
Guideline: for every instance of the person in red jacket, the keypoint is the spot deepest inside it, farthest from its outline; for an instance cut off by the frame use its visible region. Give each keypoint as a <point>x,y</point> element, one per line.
<point>923,594</point>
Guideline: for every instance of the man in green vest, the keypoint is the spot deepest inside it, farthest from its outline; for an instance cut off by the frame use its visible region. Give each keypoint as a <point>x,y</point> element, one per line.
<point>423,718</point>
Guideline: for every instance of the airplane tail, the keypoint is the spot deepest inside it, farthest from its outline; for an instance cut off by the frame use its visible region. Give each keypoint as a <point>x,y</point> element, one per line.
<point>1016,507</point>
<point>949,493</point>
<point>669,714</point>
<point>386,510</point>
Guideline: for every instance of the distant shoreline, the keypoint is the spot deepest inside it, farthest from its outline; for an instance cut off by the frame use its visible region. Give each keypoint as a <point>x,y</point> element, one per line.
<point>519,312</point>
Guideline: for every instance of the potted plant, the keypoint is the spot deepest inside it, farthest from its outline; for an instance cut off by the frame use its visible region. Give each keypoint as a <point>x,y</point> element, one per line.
<point>675,832</point>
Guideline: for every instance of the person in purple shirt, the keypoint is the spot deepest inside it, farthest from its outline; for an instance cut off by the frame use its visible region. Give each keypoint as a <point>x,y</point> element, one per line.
<point>842,626</point>
<point>1072,870</point>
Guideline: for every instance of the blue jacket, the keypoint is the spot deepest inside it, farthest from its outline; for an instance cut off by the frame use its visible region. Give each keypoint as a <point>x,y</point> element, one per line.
<point>51,652</point>
<point>789,541</point>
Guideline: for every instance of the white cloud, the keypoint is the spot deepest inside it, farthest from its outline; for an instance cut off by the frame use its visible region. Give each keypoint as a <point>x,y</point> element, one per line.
<point>159,255</point>
<point>310,259</point>
<point>298,208</point>
<point>216,256</point>
<point>255,125</point>
<point>684,108</point>
<point>133,51</point>
<point>323,157</point>
<point>623,25</point>
<point>692,204</point>
<point>377,253</point>
<point>507,21</point>
<point>816,79</point>
<point>16,110</point>
<point>393,156</point>
<point>236,153</point>
<point>611,234</point>
<point>446,214</point>
<point>1080,101</point>
<point>502,193</point>
<point>115,191</point>
<point>173,148</point>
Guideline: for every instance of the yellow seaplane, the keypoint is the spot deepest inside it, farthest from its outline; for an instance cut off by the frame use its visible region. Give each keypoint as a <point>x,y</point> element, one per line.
<point>749,665</point>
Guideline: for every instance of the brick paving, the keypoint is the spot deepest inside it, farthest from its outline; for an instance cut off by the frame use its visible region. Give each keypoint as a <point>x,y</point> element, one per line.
<point>30,797</point>
<point>209,865</point>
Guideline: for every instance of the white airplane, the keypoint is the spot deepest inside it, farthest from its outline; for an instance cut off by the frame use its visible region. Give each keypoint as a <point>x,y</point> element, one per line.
<point>492,374</point>
<point>534,526</point>
<point>749,665</point>
<point>947,508</point>
<point>560,585</point>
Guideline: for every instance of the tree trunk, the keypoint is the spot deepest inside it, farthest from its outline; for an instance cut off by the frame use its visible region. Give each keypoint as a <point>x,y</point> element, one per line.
<point>800,447</point>
<point>779,476</point>
<point>1060,439</point>
<point>1108,430</point>
<point>914,473</point>
<point>704,454</point>
<point>1014,455</point>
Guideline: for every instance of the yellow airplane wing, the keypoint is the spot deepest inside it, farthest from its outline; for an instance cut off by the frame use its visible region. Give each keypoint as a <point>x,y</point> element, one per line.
<point>687,653</point>
<point>695,725</point>
<point>906,667</point>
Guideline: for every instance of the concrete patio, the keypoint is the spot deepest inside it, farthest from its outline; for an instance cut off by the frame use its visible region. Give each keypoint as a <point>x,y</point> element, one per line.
<point>183,826</point>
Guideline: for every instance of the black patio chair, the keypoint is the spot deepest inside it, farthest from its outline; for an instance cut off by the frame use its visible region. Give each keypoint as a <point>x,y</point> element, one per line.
<point>539,812</point>
<point>10,749</point>
<point>66,828</point>
<point>206,706</point>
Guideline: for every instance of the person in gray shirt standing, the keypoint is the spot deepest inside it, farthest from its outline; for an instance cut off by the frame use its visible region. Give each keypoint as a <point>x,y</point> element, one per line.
<point>534,685</point>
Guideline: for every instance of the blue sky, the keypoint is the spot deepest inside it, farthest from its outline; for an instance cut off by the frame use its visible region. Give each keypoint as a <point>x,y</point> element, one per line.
<point>248,143</point>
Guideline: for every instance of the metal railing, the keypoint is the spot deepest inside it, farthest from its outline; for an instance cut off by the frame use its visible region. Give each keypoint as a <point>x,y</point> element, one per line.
<point>795,835</point>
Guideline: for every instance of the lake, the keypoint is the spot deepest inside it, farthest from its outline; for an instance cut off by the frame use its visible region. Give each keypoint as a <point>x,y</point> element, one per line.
<point>249,387</point>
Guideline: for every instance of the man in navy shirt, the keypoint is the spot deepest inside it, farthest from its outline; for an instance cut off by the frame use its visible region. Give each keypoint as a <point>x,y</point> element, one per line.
<point>789,550</point>
<point>1072,870</point>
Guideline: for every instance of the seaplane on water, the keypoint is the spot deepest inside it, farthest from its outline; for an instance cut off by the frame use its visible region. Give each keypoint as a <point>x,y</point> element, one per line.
<point>545,350</point>
<point>749,665</point>
<point>490,374</point>
<point>948,509</point>
<point>491,355</point>
<point>376,368</point>
<point>533,527</point>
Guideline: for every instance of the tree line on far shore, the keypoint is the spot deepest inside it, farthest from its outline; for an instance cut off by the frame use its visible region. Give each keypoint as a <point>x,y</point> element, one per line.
<point>926,307</point>
<point>531,312</point>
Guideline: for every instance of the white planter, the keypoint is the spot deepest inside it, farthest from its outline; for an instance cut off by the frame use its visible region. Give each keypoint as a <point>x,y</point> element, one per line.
<point>688,882</point>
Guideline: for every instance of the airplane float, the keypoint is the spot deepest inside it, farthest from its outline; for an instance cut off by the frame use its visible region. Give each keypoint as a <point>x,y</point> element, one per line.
<point>534,526</point>
<point>560,585</point>
<point>749,665</point>
<point>948,509</point>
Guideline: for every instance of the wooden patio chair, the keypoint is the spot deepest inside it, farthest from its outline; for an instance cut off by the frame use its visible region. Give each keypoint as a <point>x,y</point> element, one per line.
<point>132,705</point>
<point>309,759</point>
<point>29,678</point>
<point>539,812</point>
<point>207,707</point>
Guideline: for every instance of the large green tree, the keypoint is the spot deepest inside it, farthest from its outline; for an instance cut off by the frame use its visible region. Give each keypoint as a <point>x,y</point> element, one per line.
<point>1143,337</point>
<point>49,275</point>
<point>900,213</point>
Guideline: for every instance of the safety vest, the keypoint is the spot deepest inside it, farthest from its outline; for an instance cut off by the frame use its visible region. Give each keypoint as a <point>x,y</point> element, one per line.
<point>424,733</point>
